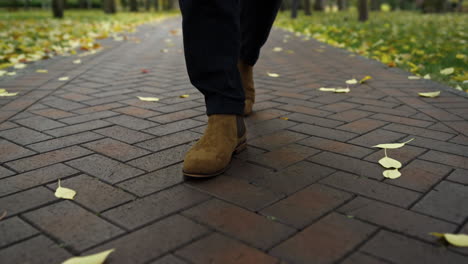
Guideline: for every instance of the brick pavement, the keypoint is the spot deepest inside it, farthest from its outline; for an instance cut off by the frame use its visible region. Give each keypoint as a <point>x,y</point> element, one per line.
<point>307,190</point>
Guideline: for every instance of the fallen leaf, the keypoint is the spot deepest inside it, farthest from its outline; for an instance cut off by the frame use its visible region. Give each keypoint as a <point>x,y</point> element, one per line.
<point>392,145</point>
<point>391,174</point>
<point>2,73</point>
<point>97,258</point>
<point>11,73</point>
<point>459,240</point>
<point>277,49</point>
<point>447,71</point>
<point>284,118</point>
<point>164,50</point>
<point>274,75</point>
<point>5,93</point>
<point>388,163</point>
<point>430,94</point>
<point>335,90</point>
<point>427,76</point>
<point>365,79</point>
<point>414,77</point>
<point>77,61</point>
<point>290,51</point>
<point>42,71</point>
<point>460,56</point>
<point>184,96</point>
<point>65,78</point>
<point>323,89</point>
<point>20,66</point>
<point>64,193</point>
<point>148,99</point>
<point>3,215</point>
<point>352,81</point>
<point>458,87</point>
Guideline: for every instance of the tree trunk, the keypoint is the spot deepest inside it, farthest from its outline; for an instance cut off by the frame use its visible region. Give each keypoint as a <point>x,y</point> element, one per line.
<point>460,6</point>
<point>375,5</point>
<point>295,4</point>
<point>307,8</point>
<point>318,5</point>
<point>109,6</point>
<point>363,11</point>
<point>156,5</point>
<point>147,5</point>
<point>57,8</point>
<point>341,5</point>
<point>133,5</point>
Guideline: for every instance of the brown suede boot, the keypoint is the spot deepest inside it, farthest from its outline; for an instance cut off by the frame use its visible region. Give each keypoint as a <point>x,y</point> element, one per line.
<point>211,155</point>
<point>246,73</point>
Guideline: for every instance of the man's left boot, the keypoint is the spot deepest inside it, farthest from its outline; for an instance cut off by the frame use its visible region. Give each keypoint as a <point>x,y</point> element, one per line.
<point>211,155</point>
<point>246,73</point>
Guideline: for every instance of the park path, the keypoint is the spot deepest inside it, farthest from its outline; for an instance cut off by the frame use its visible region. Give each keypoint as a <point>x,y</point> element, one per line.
<point>309,188</point>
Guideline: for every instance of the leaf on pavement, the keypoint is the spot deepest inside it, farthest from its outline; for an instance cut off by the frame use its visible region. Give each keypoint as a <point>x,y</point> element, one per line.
<point>365,79</point>
<point>64,193</point>
<point>459,240</point>
<point>20,66</point>
<point>274,75</point>
<point>5,93</point>
<point>42,71</point>
<point>388,163</point>
<point>352,81</point>
<point>414,77</point>
<point>148,99</point>
<point>97,258</point>
<point>392,174</point>
<point>277,49</point>
<point>184,96</point>
<point>77,61</point>
<point>65,78</point>
<point>335,90</point>
<point>430,94</point>
<point>392,145</point>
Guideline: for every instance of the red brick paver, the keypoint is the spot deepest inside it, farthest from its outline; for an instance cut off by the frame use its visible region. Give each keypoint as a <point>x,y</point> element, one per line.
<point>308,189</point>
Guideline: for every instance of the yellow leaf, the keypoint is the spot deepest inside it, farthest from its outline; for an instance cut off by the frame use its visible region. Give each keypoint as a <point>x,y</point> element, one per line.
<point>352,81</point>
<point>447,71</point>
<point>20,66</point>
<point>323,89</point>
<point>274,75</point>
<point>148,99</point>
<point>335,90</point>
<point>11,73</point>
<point>388,163</point>
<point>290,51</point>
<point>4,92</point>
<point>97,258</point>
<point>392,145</point>
<point>391,174</point>
<point>65,78</point>
<point>459,240</point>
<point>427,76</point>
<point>164,50</point>
<point>365,79</point>
<point>430,95</point>
<point>460,56</point>
<point>277,49</point>
<point>64,193</point>
<point>414,77</point>
<point>42,71</point>
<point>284,118</point>
<point>77,61</point>
<point>184,96</point>
<point>458,87</point>
<point>2,73</point>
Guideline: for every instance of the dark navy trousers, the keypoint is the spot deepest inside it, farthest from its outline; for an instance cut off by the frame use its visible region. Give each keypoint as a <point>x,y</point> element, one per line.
<point>217,33</point>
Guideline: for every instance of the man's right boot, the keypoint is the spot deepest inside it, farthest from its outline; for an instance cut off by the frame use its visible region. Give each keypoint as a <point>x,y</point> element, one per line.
<point>246,73</point>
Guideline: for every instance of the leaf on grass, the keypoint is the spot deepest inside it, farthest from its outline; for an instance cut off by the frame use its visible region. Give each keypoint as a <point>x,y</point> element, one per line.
<point>97,258</point>
<point>352,81</point>
<point>274,75</point>
<point>277,49</point>
<point>460,56</point>
<point>388,163</point>
<point>148,99</point>
<point>414,77</point>
<point>77,61</point>
<point>65,78</point>
<point>447,71</point>
<point>3,215</point>
<point>42,71</point>
<point>459,240</point>
<point>64,193</point>
<point>20,66</point>
<point>392,174</point>
<point>427,76</point>
<point>430,94</point>
<point>392,145</point>
<point>184,96</point>
<point>365,79</point>
<point>284,118</point>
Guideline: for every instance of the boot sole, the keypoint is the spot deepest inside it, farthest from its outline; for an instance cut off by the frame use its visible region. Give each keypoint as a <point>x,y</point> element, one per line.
<point>241,147</point>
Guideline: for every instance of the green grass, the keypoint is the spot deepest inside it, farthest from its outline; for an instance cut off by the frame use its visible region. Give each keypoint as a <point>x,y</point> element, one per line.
<point>33,35</point>
<point>420,43</point>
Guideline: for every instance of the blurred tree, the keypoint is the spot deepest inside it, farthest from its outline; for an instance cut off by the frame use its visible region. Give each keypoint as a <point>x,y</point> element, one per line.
<point>341,5</point>
<point>307,8</point>
<point>363,10</point>
<point>133,5</point>
<point>434,6</point>
<point>375,5</point>
<point>318,5</point>
<point>147,5</point>
<point>156,5</point>
<point>109,6</point>
<point>57,8</point>
<point>294,7</point>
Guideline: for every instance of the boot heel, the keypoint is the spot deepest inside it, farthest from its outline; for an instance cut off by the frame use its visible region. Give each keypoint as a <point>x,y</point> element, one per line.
<point>241,147</point>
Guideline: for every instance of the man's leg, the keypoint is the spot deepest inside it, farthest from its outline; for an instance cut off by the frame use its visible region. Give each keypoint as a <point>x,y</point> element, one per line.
<point>256,18</point>
<point>211,31</point>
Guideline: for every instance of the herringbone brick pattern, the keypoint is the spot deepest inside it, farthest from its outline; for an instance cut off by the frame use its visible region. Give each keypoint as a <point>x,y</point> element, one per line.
<point>307,190</point>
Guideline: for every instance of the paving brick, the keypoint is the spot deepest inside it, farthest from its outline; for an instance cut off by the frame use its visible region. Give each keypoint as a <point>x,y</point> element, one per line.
<point>338,107</point>
<point>313,120</point>
<point>116,149</point>
<point>108,170</point>
<point>377,137</point>
<point>62,104</point>
<point>178,107</point>
<point>323,132</point>
<point>441,146</point>
<point>416,131</point>
<point>447,159</point>
<point>237,191</point>
<point>161,159</point>
<point>329,99</point>
<point>362,258</point>
<point>139,247</point>
<point>21,201</point>
<point>169,259</point>
<point>267,127</point>
<point>399,249</point>
<point>174,127</point>
<point>13,230</point>
<point>307,205</point>
<point>100,101</point>
<point>155,206</point>
<point>402,120</point>
<point>459,175</point>
<point>10,151</point>
<point>336,146</point>
<point>73,225</point>
<point>97,108</point>
<point>131,122</point>
<point>277,139</point>
<point>48,158</point>
<point>63,142</point>
<point>87,117</point>
<point>32,252</point>
<point>460,139</point>
<point>350,115</point>
<point>284,156</point>
<point>267,114</point>
<point>459,126</point>
<point>75,97</point>
<point>7,125</point>
<point>23,136</point>
<point>136,112</point>
<point>304,110</point>
<point>217,248</point>
<point>446,201</point>
<point>154,181</point>
<point>93,193</point>
<point>238,223</point>
<point>362,126</point>
<point>168,141</point>
<point>39,123</point>
<point>440,114</point>
<point>330,232</point>
<point>74,129</point>
<point>372,189</point>
<point>124,134</point>
<point>396,219</point>
<point>176,116</point>
<point>5,172</point>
